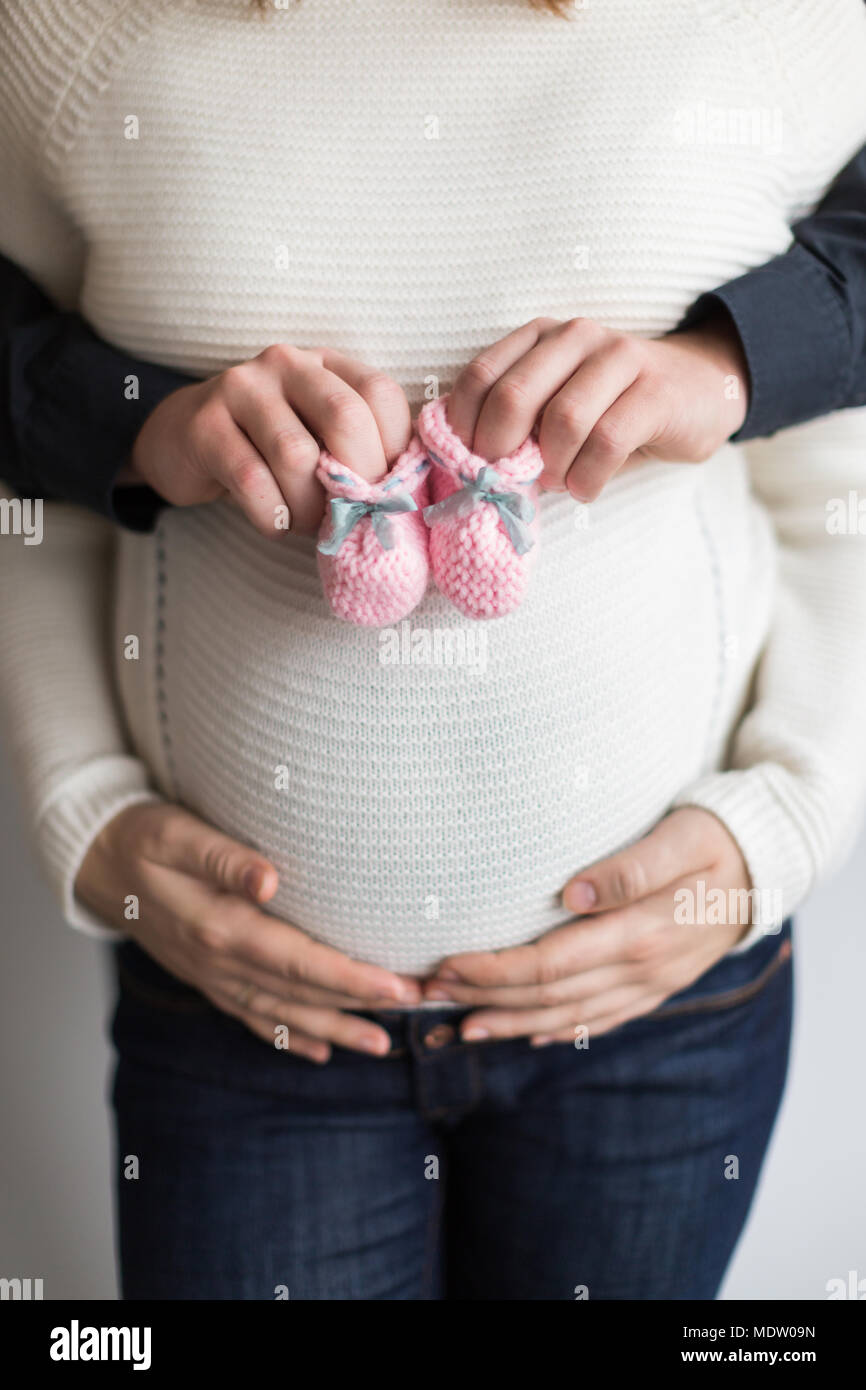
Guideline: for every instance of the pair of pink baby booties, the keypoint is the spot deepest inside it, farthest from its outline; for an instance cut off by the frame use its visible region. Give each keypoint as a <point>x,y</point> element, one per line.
<point>441,509</point>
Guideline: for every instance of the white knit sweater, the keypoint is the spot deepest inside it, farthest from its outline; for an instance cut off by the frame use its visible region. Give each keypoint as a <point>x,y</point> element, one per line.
<point>408,182</point>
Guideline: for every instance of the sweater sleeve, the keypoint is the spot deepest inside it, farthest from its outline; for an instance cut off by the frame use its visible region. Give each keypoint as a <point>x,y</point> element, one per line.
<point>57,702</point>
<point>793,791</point>
<point>58,710</point>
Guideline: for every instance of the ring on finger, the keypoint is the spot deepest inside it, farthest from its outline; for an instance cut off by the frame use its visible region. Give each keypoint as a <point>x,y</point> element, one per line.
<point>245,995</point>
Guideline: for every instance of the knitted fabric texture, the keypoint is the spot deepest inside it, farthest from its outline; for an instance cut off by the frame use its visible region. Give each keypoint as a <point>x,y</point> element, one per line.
<point>429,787</point>
<point>481,552</point>
<point>372,551</point>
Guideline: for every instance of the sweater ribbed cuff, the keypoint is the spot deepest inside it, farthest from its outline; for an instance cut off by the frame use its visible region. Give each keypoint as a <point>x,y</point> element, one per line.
<point>67,826</point>
<point>752,805</point>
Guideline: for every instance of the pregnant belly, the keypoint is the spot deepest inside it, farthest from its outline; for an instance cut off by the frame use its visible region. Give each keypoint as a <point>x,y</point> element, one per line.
<point>429,789</point>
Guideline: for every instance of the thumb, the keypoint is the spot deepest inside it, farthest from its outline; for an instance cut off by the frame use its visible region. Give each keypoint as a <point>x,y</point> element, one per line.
<point>671,850</point>
<point>190,845</point>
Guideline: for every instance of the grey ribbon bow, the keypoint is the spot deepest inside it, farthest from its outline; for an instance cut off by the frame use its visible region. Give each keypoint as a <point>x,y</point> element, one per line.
<point>515,511</point>
<point>345,516</point>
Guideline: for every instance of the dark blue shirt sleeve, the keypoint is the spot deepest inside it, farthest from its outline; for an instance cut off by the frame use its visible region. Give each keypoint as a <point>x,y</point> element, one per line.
<point>802,316</point>
<point>67,424</point>
<point>68,416</point>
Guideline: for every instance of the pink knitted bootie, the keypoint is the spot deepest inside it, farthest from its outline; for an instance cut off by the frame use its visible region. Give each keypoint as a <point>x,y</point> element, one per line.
<point>373,548</point>
<point>483,519</point>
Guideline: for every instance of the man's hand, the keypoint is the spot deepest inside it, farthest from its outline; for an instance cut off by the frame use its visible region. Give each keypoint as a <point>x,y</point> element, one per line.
<point>254,434</point>
<point>624,957</point>
<point>602,398</point>
<point>199,917</point>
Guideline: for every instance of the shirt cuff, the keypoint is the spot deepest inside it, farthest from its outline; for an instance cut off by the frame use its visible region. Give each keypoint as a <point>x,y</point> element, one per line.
<point>758,810</point>
<point>796,338</point>
<point>67,826</point>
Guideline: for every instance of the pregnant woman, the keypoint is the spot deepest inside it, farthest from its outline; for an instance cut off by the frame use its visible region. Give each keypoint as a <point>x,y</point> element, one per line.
<point>515,205</point>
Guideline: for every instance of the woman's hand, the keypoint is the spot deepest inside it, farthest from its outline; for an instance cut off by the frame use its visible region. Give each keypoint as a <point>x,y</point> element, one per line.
<point>197,892</point>
<point>601,398</point>
<point>253,434</point>
<point>622,959</point>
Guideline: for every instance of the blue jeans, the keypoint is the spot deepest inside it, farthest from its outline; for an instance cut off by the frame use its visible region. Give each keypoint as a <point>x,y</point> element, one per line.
<point>446,1170</point>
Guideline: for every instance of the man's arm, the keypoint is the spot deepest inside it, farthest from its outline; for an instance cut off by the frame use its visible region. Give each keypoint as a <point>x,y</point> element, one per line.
<point>67,422</point>
<point>802,316</point>
<point>71,406</point>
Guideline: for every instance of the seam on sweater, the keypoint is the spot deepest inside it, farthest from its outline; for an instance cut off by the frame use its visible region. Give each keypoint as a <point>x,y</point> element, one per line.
<point>721,625</point>
<point>59,105</point>
<point>109,25</point>
<point>162,719</point>
<point>783,81</point>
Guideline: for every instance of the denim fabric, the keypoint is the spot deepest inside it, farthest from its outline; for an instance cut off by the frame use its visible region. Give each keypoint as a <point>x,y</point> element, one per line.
<point>446,1170</point>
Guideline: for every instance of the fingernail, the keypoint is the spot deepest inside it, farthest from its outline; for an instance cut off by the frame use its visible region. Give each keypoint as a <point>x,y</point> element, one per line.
<point>474,1034</point>
<point>377,1045</point>
<point>434,992</point>
<point>447,974</point>
<point>406,992</point>
<point>541,1040</point>
<point>252,881</point>
<point>551,484</point>
<point>580,896</point>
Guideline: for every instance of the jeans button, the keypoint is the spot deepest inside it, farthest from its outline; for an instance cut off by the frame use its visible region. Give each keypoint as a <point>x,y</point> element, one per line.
<point>440,1036</point>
